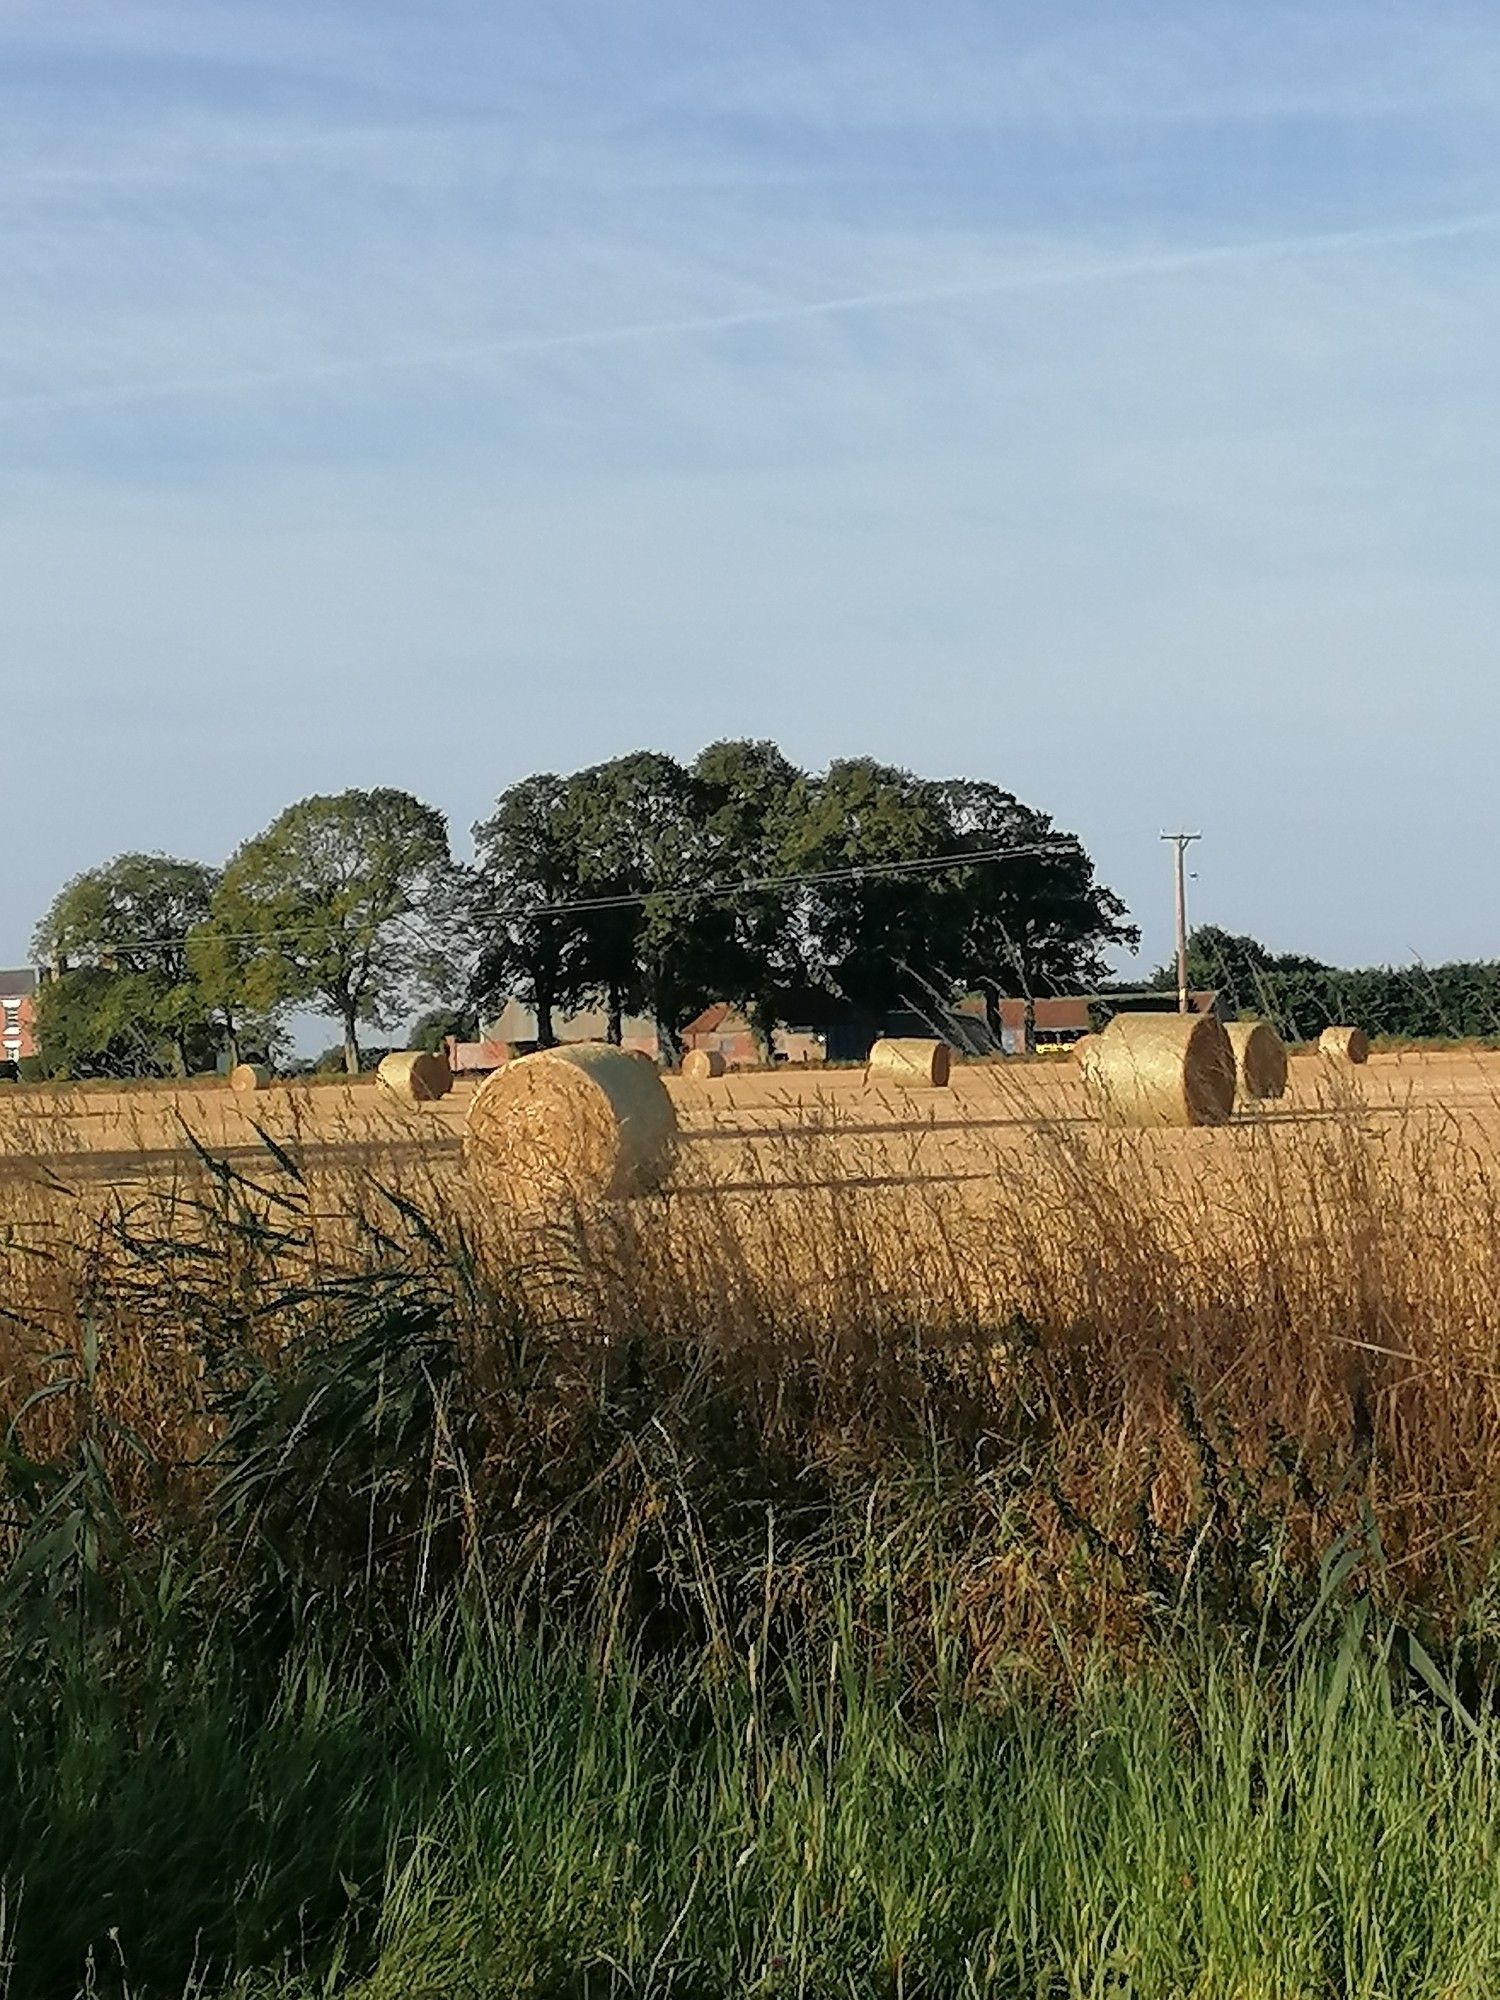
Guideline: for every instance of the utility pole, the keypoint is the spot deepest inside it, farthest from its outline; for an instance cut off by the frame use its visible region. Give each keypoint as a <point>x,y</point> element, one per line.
<point>1180,843</point>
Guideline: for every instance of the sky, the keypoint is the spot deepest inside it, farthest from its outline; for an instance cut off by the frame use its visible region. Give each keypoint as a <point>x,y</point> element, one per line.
<point>1093,396</point>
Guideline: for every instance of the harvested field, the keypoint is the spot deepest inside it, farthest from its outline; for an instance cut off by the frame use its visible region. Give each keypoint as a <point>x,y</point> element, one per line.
<point>753,1126</point>
<point>1278,1270</point>
<point>814,1189</point>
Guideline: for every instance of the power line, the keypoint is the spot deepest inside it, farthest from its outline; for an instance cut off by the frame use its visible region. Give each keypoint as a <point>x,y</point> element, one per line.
<point>707,892</point>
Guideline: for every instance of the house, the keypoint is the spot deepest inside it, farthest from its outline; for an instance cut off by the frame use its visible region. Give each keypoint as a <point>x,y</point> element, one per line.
<point>474,1058</point>
<point>723,1027</point>
<point>516,1025</point>
<point>18,1015</point>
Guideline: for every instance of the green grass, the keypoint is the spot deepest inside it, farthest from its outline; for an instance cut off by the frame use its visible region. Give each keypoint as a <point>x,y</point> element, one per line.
<point>494,1814</point>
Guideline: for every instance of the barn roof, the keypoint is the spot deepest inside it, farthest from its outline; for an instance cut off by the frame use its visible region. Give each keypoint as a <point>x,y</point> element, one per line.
<point>711,1019</point>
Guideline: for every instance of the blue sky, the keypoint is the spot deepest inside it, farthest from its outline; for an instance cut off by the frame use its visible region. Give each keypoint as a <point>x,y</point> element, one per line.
<point>1098,398</point>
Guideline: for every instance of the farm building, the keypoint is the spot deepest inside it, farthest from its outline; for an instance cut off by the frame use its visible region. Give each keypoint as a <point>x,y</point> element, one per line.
<point>1062,1018</point>
<point>515,1025</point>
<point>724,1028</point>
<point>849,1036</point>
<point>17,1015</point>
<point>1055,1021</point>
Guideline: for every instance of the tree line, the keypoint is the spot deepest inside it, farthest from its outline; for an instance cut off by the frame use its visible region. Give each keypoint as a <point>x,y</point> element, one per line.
<point>1302,995</point>
<point>641,886</point>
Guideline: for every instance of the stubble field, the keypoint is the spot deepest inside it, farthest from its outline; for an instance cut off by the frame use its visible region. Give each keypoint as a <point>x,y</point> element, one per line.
<point>738,1128</point>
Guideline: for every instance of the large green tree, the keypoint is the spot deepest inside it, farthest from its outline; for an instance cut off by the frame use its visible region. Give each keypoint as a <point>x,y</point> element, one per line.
<point>1032,919</point>
<point>346,904</point>
<point>878,931</point>
<point>749,794</point>
<point>125,999</point>
<point>637,826</point>
<point>527,862</point>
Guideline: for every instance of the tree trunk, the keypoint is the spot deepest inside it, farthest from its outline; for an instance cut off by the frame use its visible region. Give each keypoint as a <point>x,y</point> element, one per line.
<point>615,1031</point>
<point>351,1045</point>
<point>546,1036</point>
<point>179,1058</point>
<point>994,1019</point>
<point>763,1026</point>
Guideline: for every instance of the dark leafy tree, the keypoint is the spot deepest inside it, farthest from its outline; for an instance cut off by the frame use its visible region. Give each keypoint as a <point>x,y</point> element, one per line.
<point>528,861</point>
<point>641,846</point>
<point>432,1029</point>
<point>1035,921</point>
<point>878,939</point>
<point>748,791</point>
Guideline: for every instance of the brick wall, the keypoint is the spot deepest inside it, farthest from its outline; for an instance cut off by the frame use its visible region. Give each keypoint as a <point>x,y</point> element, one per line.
<point>17,1025</point>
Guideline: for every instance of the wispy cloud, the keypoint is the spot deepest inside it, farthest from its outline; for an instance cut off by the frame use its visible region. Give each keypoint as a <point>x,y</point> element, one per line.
<point>1059,274</point>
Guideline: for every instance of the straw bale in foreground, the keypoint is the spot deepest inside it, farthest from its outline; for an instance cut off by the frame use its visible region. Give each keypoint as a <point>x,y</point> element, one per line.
<point>1163,1069</point>
<point>584,1122</point>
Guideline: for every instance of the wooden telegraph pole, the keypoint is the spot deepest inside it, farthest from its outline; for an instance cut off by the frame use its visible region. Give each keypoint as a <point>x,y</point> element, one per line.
<point>1180,843</point>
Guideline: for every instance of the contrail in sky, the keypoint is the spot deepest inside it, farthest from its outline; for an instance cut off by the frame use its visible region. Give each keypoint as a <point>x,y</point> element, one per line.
<point>787,313</point>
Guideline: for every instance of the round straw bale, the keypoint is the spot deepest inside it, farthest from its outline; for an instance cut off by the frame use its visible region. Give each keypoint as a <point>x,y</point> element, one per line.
<point>1084,1050</point>
<point>1163,1069</point>
<point>416,1076</point>
<point>1259,1058</point>
<point>704,1062</point>
<point>1345,1045</point>
<point>912,1062</point>
<point>245,1078</point>
<point>586,1121</point>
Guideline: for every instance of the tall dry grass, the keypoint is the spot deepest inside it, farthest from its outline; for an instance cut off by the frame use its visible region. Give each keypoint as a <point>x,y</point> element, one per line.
<point>1072,1381</point>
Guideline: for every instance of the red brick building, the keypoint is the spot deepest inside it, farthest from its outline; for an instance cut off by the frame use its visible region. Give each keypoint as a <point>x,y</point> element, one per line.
<point>17,1015</point>
<point>726,1029</point>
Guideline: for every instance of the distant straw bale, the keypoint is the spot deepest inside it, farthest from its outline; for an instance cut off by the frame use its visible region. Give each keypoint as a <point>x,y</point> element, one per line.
<point>246,1078</point>
<point>911,1062</point>
<point>585,1122</point>
<point>701,1063</point>
<point>1163,1069</point>
<point>1259,1059</point>
<point>416,1076</point>
<point>1344,1045</point>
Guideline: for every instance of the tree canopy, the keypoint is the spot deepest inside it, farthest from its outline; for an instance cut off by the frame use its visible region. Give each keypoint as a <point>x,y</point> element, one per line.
<point>642,884</point>
<point>334,907</point>
<point>126,989</point>
<point>659,887</point>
